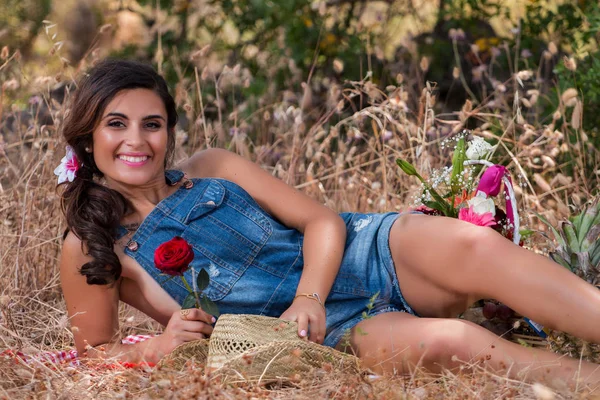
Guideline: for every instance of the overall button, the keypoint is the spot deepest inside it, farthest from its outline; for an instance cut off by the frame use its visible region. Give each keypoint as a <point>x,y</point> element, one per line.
<point>188,184</point>
<point>210,203</point>
<point>133,246</point>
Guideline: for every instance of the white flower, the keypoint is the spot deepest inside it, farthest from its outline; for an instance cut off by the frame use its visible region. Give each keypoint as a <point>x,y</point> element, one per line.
<point>478,148</point>
<point>481,205</point>
<point>67,169</point>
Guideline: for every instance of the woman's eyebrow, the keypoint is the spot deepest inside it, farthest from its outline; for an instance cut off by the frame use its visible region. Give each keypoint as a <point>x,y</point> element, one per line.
<point>116,114</point>
<point>153,117</point>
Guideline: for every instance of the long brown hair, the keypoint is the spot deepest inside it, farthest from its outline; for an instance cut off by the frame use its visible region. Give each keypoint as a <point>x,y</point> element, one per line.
<point>93,211</point>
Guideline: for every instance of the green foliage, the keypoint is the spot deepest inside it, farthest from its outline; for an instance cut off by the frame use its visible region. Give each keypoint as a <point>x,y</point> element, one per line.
<point>578,244</point>
<point>562,25</point>
<point>20,21</point>
<point>370,306</point>
<point>458,159</point>
<point>473,9</point>
<point>189,301</point>
<point>203,279</point>
<point>209,306</point>
<point>438,203</point>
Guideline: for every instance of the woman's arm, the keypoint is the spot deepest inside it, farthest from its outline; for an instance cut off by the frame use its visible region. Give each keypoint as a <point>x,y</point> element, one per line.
<point>324,230</point>
<point>94,314</point>
<point>92,309</point>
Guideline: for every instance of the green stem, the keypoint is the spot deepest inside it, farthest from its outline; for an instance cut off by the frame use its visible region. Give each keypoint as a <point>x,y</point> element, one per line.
<point>187,285</point>
<point>189,288</point>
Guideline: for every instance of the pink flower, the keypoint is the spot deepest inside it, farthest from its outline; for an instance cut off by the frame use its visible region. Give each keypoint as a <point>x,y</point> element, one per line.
<point>67,169</point>
<point>469,215</point>
<point>491,180</point>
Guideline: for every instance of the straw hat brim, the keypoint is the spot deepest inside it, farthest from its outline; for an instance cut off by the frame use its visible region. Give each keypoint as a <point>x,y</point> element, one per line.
<point>257,348</point>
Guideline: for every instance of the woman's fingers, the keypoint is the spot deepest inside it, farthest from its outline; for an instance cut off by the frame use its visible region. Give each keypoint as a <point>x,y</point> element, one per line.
<point>197,326</point>
<point>185,336</point>
<point>302,324</point>
<point>196,314</point>
<point>316,331</point>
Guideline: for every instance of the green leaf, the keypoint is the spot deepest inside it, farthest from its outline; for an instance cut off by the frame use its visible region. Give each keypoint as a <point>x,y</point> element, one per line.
<point>408,168</point>
<point>202,280</point>
<point>576,220</point>
<point>189,301</point>
<point>525,233</point>
<point>447,208</point>
<point>558,259</point>
<point>458,159</point>
<point>569,230</point>
<point>587,219</point>
<point>435,206</point>
<point>209,306</point>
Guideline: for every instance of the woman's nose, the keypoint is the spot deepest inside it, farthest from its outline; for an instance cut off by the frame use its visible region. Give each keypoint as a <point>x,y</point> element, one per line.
<point>134,135</point>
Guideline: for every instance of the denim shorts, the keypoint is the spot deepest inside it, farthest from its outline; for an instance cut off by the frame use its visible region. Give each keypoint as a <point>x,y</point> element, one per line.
<point>368,262</point>
<point>255,262</point>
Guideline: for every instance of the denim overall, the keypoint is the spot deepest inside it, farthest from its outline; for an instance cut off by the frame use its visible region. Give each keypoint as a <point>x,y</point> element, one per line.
<point>255,262</point>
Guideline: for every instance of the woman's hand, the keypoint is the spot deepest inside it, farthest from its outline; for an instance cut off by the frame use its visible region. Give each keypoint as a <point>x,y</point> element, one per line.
<point>308,313</point>
<point>185,326</point>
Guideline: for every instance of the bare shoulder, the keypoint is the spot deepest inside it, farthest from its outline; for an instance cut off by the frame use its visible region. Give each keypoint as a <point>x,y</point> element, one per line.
<point>73,253</point>
<point>206,163</point>
<point>220,163</point>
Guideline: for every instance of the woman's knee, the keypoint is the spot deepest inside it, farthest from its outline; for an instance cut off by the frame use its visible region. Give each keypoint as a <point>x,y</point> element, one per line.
<point>449,343</point>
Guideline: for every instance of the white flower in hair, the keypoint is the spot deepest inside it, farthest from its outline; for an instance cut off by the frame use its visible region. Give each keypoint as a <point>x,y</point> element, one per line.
<point>478,148</point>
<point>67,169</point>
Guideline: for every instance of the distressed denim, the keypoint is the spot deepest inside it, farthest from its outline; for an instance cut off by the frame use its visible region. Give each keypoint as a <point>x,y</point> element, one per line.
<point>255,262</point>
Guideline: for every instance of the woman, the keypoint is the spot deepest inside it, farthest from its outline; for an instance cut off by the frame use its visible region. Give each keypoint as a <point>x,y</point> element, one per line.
<point>271,250</point>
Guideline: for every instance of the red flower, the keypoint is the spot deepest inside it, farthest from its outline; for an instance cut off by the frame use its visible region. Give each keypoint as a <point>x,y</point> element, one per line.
<point>174,257</point>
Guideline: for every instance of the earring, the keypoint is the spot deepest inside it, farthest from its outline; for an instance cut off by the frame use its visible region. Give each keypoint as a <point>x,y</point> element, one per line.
<point>88,150</point>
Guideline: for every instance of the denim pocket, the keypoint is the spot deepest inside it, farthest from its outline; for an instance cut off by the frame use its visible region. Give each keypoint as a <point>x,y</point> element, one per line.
<point>227,231</point>
<point>349,283</point>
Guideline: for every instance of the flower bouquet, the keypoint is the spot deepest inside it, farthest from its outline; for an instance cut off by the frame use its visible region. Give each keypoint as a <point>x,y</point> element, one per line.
<point>452,192</point>
<point>455,192</point>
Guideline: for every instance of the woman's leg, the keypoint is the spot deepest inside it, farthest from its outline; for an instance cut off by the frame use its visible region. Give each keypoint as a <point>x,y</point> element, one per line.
<point>436,253</point>
<point>398,342</point>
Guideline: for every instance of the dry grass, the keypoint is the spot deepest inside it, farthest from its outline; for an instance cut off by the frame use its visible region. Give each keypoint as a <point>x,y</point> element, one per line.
<point>345,160</point>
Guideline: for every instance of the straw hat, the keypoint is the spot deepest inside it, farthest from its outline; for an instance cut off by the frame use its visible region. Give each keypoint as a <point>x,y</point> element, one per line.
<point>257,348</point>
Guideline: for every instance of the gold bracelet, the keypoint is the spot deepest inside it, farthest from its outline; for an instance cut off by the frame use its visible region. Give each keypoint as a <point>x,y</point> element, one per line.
<point>313,296</point>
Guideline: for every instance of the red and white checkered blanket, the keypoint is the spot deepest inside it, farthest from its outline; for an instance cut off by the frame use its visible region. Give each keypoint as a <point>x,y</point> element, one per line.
<point>69,356</point>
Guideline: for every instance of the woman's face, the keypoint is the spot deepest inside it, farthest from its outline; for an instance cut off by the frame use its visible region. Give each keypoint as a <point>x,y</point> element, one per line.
<point>130,143</point>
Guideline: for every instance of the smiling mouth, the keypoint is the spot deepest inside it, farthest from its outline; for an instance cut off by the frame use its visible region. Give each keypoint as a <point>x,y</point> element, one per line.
<point>133,159</point>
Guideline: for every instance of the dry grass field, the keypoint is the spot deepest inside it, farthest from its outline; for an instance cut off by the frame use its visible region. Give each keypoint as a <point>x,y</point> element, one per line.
<point>345,160</point>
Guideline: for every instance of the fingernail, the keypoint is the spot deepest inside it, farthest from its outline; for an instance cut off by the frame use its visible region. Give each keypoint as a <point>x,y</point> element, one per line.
<point>302,333</point>
<point>213,319</point>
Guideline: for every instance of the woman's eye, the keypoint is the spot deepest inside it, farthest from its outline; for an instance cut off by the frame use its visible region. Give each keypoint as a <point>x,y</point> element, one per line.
<point>153,125</point>
<point>115,124</point>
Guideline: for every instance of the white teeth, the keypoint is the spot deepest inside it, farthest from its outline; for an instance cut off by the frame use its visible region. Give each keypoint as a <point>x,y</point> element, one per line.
<point>133,159</point>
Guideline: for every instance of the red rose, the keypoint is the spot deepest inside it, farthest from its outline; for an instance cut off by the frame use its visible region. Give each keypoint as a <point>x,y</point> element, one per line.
<point>174,257</point>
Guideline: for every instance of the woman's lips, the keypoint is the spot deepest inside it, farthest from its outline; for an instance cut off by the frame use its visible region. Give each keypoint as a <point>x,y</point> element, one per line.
<point>133,161</point>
